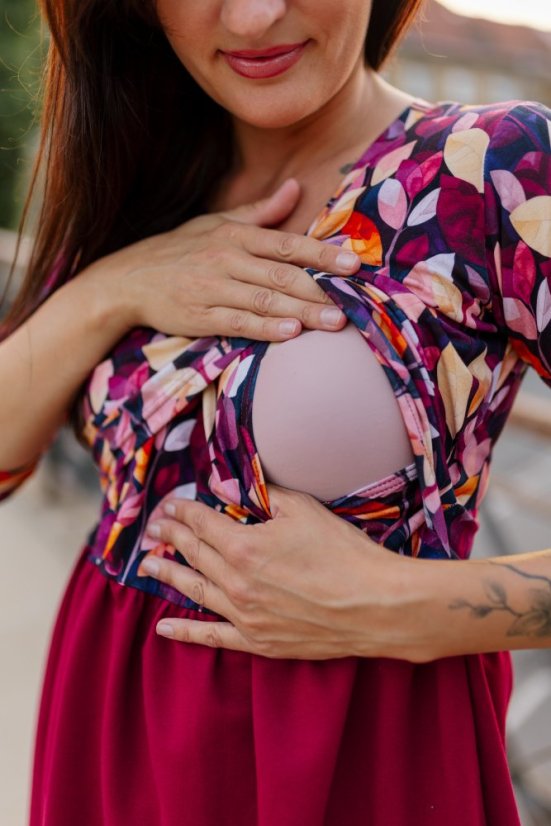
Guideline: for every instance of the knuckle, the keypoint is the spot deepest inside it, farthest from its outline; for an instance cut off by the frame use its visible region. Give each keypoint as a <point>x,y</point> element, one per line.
<point>307,315</point>
<point>265,648</point>
<point>262,300</point>
<point>325,257</point>
<point>198,521</point>
<point>286,246</point>
<point>228,230</point>
<point>236,590</point>
<point>240,550</point>
<point>198,592</point>
<point>237,321</point>
<point>212,636</point>
<point>192,552</point>
<point>281,277</point>
<point>182,632</point>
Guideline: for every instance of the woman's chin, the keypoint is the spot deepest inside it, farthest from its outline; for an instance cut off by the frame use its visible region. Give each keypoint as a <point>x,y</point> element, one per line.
<point>267,114</point>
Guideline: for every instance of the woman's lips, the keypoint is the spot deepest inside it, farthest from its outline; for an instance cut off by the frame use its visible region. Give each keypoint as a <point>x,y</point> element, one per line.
<point>266,66</point>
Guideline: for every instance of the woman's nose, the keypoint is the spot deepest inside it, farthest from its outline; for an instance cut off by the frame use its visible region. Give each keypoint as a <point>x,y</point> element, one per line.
<point>251,18</point>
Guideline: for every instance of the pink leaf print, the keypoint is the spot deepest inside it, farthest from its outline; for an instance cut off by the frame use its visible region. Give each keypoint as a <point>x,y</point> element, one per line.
<point>425,209</point>
<point>543,306</point>
<point>392,203</point>
<point>422,176</point>
<point>466,122</point>
<point>519,318</point>
<point>390,162</point>
<point>179,436</point>
<point>130,509</point>
<point>524,272</point>
<point>508,188</point>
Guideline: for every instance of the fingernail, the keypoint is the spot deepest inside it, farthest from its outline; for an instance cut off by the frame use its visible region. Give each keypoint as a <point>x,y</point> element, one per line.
<point>165,630</point>
<point>154,529</point>
<point>151,566</point>
<point>287,328</point>
<point>347,260</point>
<point>331,315</point>
<point>170,508</point>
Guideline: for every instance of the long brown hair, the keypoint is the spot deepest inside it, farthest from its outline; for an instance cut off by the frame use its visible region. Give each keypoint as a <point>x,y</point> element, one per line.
<point>131,146</point>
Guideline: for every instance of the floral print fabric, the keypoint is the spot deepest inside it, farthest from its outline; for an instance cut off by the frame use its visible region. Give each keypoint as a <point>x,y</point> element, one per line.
<point>450,212</point>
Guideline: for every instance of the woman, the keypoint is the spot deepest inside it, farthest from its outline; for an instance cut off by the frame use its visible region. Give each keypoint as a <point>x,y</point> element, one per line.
<point>312,677</point>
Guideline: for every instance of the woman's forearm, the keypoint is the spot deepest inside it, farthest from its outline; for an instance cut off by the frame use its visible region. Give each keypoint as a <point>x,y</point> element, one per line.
<point>44,361</point>
<point>446,608</point>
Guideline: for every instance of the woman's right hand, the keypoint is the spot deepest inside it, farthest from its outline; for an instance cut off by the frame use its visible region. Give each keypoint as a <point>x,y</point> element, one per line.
<point>226,274</point>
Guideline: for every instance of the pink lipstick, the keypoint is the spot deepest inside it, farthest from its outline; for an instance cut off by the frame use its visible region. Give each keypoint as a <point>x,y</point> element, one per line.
<point>267,62</point>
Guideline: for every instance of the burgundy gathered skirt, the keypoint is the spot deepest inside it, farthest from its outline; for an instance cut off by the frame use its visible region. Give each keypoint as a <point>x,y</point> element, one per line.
<point>138,730</point>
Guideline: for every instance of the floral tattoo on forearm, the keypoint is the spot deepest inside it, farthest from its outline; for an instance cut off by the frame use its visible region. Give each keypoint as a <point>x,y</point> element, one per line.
<point>535,621</point>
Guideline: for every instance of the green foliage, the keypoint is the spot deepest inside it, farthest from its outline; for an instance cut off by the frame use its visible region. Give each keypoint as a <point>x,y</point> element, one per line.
<point>20,74</point>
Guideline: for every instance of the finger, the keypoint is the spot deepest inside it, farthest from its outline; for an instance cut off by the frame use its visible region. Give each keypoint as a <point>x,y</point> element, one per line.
<point>205,632</point>
<point>286,278</point>
<point>302,250</point>
<point>217,530</point>
<point>268,211</point>
<point>198,554</point>
<point>266,302</point>
<point>244,324</point>
<point>189,583</point>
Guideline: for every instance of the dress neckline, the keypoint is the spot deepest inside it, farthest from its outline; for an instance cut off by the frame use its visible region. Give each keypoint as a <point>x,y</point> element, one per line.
<point>415,104</point>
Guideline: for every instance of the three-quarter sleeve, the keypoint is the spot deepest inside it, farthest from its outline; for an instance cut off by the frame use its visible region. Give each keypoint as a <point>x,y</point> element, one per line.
<point>10,480</point>
<point>518,221</point>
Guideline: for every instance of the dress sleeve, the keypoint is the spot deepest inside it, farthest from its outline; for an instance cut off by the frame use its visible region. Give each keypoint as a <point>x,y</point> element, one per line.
<point>10,480</point>
<point>518,220</point>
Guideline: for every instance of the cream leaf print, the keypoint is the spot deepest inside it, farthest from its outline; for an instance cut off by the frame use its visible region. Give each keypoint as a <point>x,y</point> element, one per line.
<point>164,350</point>
<point>332,220</point>
<point>464,154</point>
<point>455,382</point>
<point>100,384</point>
<point>388,164</point>
<point>532,221</point>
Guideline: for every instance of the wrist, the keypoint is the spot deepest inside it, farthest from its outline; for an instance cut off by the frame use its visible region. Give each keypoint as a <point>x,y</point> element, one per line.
<point>409,622</point>
<point>109,305</point>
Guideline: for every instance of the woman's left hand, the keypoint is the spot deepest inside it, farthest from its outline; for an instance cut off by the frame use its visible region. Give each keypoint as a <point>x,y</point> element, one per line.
<point>305,584</point>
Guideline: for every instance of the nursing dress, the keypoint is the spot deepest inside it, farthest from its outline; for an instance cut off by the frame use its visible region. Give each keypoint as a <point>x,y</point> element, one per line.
<point>449,211</point>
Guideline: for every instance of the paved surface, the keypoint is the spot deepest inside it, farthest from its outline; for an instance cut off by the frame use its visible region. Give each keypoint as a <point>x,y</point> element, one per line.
<point>43,527</point>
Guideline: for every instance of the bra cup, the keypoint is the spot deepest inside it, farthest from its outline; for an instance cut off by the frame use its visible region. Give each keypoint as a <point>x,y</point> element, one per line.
<point>325,419</point>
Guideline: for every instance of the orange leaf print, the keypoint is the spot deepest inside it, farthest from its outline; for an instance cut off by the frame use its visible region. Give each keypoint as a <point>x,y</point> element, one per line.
<point>365,239</point>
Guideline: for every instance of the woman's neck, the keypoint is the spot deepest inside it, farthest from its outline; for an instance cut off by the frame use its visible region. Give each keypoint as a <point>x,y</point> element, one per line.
<point>266,157</point>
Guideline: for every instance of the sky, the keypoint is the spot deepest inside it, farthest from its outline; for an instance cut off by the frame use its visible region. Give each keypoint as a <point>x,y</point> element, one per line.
<point>536,13</point>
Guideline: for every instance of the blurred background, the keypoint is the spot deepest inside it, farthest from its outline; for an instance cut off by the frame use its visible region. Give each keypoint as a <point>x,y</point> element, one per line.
<point>502,52</point>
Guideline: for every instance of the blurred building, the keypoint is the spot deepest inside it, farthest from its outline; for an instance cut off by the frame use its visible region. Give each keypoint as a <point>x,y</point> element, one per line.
<point>448,56</point>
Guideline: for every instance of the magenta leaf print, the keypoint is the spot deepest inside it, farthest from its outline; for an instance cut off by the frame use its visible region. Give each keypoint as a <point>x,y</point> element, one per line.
<point>423,175</point>
<point>524,272</point>
<point>460,214</point>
